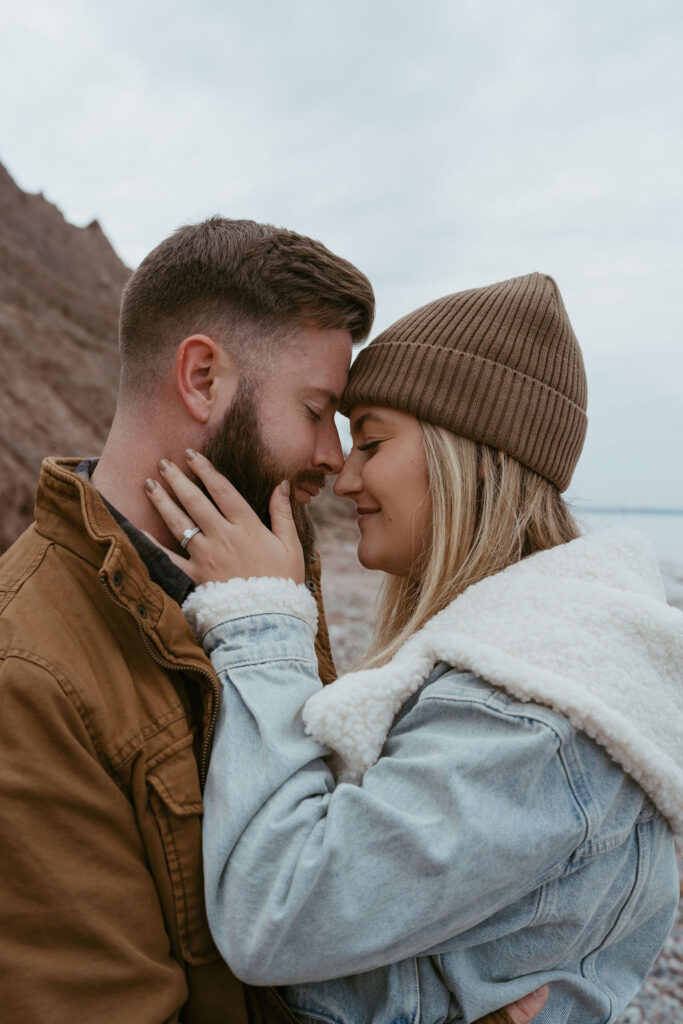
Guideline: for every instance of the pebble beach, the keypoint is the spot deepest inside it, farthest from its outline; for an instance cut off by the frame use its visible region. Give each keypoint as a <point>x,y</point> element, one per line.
<point>350,598</point>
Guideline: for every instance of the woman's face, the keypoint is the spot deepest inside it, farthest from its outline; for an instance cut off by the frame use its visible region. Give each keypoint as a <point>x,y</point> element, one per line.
<point>386,475</point>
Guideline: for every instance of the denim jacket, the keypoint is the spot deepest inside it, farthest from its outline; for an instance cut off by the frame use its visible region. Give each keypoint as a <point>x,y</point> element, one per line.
<point>492,847</point>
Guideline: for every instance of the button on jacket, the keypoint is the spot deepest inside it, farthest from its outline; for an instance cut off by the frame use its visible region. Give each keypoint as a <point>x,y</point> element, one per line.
<point>107,707</point>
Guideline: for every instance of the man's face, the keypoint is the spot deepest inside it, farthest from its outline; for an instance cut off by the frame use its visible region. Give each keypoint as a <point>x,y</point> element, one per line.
<point>280,424</point>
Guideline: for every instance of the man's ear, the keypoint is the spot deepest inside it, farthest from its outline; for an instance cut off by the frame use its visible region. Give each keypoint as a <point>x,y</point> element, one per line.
<point>205,376</point>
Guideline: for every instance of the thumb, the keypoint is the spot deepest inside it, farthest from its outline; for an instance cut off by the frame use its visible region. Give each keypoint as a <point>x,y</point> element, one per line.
<point>284,529</point>
<point>281,518</point>
<point>526,1008</point>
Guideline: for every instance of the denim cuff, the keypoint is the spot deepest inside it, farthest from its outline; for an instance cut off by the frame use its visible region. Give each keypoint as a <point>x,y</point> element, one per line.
<point>213,603</point>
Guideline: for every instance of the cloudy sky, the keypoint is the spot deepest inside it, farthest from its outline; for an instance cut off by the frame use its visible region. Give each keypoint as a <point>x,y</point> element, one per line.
<point>439,145</point>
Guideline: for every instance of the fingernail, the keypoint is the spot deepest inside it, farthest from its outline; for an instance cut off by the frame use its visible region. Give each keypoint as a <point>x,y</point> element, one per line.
<point>284,487</point>
<point>164,464</point>
<point>190,453</point>
<point>149,485</point>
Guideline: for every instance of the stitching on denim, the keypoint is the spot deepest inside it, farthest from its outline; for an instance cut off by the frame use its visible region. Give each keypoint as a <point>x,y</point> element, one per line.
<point>289,659</point>
<point>253,615</point>
<point>509,713</point>
<point>638,876</point>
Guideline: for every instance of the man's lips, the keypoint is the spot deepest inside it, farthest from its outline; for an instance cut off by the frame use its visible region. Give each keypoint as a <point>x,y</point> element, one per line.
<point>304,492</point>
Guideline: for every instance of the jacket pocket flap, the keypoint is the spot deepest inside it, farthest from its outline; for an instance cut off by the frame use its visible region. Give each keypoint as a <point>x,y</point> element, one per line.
<point>176,804</point>
<point>176,780</point>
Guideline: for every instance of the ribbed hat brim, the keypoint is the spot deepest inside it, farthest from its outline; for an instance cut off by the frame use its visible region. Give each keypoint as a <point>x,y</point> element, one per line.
<point>527,419</point>
<point>499,364</point>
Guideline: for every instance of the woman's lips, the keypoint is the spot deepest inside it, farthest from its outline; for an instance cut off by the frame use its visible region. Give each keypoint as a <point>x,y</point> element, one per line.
<point>365,513</point>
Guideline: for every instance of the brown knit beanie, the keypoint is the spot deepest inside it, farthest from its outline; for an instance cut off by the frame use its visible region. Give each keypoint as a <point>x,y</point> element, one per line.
<point>499,364</point>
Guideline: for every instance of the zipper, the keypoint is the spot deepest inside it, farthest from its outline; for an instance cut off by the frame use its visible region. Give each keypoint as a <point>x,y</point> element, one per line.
<point>169,666</point>
<point>283,1006</point>
<point>206,746</point>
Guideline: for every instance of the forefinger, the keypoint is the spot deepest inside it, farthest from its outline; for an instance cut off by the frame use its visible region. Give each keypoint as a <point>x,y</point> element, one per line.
<point>229,503</point>
<point>185,501</point>
<point>228,499</point>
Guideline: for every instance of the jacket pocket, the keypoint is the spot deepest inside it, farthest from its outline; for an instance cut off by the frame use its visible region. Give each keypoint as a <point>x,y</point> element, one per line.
<point>176,802</point>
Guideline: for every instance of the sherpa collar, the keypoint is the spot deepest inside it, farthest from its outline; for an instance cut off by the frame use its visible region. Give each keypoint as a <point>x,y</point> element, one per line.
<point>583,628</point>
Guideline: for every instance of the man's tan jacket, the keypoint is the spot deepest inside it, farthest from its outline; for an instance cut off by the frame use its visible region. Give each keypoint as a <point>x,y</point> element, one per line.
<point>107,708</point>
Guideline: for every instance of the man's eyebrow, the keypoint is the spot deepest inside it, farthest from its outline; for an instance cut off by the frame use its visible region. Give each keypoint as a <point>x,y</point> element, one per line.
<point>331,397</point>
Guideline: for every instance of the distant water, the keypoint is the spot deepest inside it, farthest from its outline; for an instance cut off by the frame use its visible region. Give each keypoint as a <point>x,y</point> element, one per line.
<point>664,530</point>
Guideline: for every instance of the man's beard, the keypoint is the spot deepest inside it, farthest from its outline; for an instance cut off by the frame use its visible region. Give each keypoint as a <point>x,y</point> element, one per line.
<point>238,451</point>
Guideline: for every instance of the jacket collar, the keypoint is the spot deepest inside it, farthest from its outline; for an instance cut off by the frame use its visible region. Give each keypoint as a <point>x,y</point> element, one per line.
<point>583,628</point>
<point>70,513</point>
<point>161,569</point>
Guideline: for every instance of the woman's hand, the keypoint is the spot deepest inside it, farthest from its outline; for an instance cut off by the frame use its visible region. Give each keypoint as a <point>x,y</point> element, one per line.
<point>234,543</point>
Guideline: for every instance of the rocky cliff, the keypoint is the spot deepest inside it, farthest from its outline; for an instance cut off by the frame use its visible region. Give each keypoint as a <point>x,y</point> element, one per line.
<point>59,296</point>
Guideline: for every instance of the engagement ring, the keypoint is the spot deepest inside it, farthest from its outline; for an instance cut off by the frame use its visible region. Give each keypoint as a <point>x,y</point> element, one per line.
<point>188,535</point>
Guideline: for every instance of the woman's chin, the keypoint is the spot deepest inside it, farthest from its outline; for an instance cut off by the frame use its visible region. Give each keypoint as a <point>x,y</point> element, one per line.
<point>374,560</point>
<point>366,557</point>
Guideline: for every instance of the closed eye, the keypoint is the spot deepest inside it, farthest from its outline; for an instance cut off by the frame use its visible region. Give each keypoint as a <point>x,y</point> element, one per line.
<point>368,446</point>
<point>313,414</point>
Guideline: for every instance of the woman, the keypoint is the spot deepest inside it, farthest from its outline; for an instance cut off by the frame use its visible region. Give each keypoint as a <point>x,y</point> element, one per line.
<point>508,762</point>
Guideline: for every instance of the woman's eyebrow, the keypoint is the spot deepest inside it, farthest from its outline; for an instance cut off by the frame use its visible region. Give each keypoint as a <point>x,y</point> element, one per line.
<point>358,424</point>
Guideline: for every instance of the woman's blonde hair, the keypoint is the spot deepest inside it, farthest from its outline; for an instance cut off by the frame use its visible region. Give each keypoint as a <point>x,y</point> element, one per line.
<point>488,511</point>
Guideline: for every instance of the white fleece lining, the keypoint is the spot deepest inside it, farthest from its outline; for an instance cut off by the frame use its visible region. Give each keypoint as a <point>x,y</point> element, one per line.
<point>583,628</point>
<point>213,603</point>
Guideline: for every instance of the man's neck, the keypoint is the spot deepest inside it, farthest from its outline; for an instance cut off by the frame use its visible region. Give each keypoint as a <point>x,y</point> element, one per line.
<point>120,476</point>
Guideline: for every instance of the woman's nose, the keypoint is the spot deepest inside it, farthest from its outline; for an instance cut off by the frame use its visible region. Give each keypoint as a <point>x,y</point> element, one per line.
<point>348,480</point>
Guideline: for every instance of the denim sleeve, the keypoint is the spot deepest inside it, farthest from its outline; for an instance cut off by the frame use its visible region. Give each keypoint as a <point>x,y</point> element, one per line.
<point>467,809</point>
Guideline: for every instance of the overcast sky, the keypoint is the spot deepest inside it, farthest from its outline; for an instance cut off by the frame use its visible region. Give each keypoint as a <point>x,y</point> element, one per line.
<point>437,145</point>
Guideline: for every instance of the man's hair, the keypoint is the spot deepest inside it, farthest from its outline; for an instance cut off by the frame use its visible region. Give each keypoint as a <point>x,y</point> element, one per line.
<point>242,281</point>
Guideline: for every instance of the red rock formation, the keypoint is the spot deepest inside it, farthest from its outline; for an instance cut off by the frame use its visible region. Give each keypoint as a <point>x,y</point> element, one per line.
<point>59,296</point>
<point>59,300</point>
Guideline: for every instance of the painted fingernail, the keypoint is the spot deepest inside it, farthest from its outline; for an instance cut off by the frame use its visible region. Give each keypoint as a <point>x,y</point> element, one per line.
<point>149,485</point>
<point>190,453</point>
<point>164,464</point>
<point>284,487</point>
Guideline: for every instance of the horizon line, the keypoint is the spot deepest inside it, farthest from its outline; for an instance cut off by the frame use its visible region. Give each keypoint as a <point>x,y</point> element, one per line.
<point>628,510</point>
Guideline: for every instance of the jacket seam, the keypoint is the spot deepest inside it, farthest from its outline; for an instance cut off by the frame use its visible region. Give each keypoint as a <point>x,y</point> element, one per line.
<point>292,658</point>
<point>418,1003</point>
<point>253,615</point>
<point>184,925</point>
<point>145,593</point>
<point>59,546</point>
<point>633,891</point>
<point>560,752</point>
<point>121,755</point>
<point>127,751</point>
<point>11,591</point>
<point>583,811</point>
<point>71,695</point>
<point>539,902</point>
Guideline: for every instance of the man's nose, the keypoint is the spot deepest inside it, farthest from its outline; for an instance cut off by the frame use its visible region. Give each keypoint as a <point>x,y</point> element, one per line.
<point>329,456</point>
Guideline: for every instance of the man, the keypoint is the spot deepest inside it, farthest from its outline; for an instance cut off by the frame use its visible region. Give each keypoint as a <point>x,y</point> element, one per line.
<point>235,340</point>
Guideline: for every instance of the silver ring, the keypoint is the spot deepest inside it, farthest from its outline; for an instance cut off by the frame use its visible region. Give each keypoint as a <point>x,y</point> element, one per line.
<point>188,535</point>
